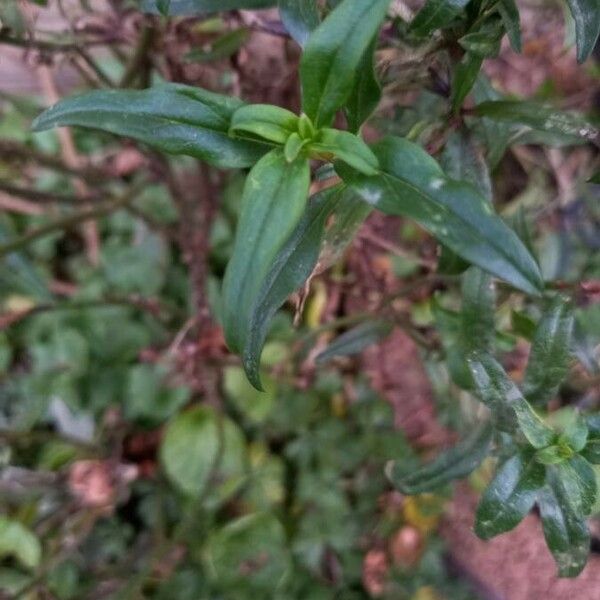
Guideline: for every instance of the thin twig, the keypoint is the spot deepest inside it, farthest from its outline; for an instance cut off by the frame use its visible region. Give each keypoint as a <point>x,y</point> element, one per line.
<point>139,57</point>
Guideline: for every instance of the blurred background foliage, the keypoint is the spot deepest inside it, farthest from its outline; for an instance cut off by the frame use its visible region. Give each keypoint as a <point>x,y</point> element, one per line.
<point>135,459</point>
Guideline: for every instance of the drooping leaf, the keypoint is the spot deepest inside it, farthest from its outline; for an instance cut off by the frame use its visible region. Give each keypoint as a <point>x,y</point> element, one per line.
<point>412,184</point>
<point>347,147</point>
<point>366,92</point>
<point>464,77</point>
<point>510,496</point>
<point>332,55</point>
<point>355,340</point>
<point>300,18</point>
<point>454,463</point>
<point>264,121</point>
<point>435,15</point>
<point>540,117</point>
<point>586,14</point>
<point>512,22</point>
<point>201,7</point>
<point>273,202</point>
<point>477,311</point>
<point>173,118</point>
<point>289,269</point>
<point>495,389</point>
<point>565,531</point>
<point>550,353</point>
<point>199,445</point>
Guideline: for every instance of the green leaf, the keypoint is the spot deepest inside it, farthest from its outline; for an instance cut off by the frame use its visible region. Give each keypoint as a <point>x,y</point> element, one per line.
<point>565,531</point>
<point>586,14</point>
<point>264,121</point>
<point>223,47</point>
<point>454,463</point>
<point>512,22</point>
<point>485,40</point>
<point>199,446</point>
<point>173,118</point>
<point>477,311</point>
<point>366,92</point>
<point>550,352</point>
<point>464,77</point>
<point>293,147</point>
<point>591,452</point>
<point>355,340</point>
<point>332,55</point>
<point>436,14</point>
<point>300,18</point>
<point>249,553</point>
<point>347,147</point>
<point>201,7</point>
<point>577,478</point>
<point>575,433</point>
<point>19,542</point>
<point>510,496</point>
<point>273,202</point>
<point>289,269</point>
<point>539,117</point>
<point>496,390</point>
<point>412,184</point>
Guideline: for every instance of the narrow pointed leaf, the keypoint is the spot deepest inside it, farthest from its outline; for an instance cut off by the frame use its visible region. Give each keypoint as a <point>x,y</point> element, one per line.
<point>540,117</point>
<point>512,23</point>
<point>464,77</point>
<point>550,353</point>
<point>366,92</point>
<point>496,390</point>
<point>412,184</point>
<point>289,269</point>
<point>565,531</point>
<point>509,497</point>
<point>477,312</point>
<point>591,452</point>
<point>355,340</point>
<point>347,147</point>
<point>454,463</point>
<point>332,55</point>
<point>264,121</point>
<point>435,15</point>
<point>586,14</point>
<point>173,118</point>
<point>274,198</point>
<point>300,18</point>
<point>201,7</point>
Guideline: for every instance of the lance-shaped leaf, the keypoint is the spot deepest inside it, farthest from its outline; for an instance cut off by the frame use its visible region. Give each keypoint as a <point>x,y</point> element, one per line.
<point>201,7</point>
<point>512,22</point>
<point>565,531</point>
<point>347,147</point>
<point>464,77</point>
<point>412,184</point>
<point>332,55</point>
<point>510,496</point>
<point>264,121</point>
<point>497,390</point>
<point>300,17</point>
<point>591,451</point>
<point>274,198</point>
<point>436,14</point>
<point>355,340</point>
<point>289,269</point>
<point>540,117</point>
<point>366,92</point>
<point>577,478</point>
<point>454,463</point>
<point>174,118</point>
<point>478,330</point>
<point>550,352</point>
<point>586,14</point>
